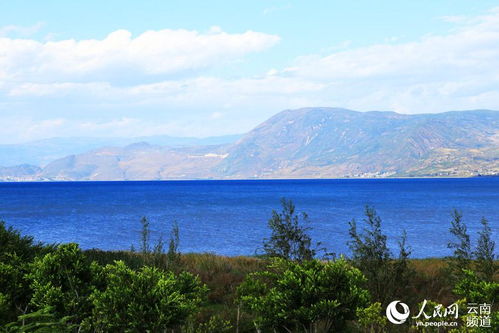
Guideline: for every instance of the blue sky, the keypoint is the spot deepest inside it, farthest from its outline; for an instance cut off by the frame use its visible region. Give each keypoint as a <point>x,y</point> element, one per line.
<point>201,68</point>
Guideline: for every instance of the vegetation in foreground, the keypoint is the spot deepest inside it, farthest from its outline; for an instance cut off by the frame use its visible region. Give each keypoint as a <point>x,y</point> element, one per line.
<point>295,287</point>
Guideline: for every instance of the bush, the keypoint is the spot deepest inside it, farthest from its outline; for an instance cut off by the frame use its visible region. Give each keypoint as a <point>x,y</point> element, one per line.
<point>303,297</point>
<point>16,252</point>
<point>41,321</point>
<point>62,280</point>
<point>372,319</point>
<point>475,289</point>
<point>11,242</point>
<point>215,325</point>
<point>15,293</point>
<point>144,300</point>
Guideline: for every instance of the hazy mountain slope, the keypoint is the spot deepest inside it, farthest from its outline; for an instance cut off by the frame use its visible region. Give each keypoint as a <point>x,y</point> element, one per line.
<point>139,161</point>
<point>23,172</point>
<point>329,142</point>
<point>309,143</point>
<point>45,151</point>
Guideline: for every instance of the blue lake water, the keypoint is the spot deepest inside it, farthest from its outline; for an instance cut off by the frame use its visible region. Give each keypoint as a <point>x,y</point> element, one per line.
<point>230,217</point>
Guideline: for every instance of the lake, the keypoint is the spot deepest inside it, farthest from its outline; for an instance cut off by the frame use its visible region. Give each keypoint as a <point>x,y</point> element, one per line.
<point>230,217</point>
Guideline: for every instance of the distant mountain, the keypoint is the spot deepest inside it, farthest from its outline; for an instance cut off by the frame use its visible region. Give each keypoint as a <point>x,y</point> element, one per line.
<point>139,161</point>
<point>310,143</point>
<point>45,151</point>
<point>330,142</point>
<point>23,172</point>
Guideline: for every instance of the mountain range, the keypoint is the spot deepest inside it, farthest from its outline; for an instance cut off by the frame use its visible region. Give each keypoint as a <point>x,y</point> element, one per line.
<point>42,152</point>
<point>304,143</point>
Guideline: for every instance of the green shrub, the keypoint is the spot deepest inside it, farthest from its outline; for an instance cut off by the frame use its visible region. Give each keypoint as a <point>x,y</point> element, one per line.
<point>475,289</point>
<point>12,242</point>
<point>41,321</point>
<point>302,297</point>
<point>62,280</point>
<point>215,325</point>
<point>16,253</point>
<point>144,300</point>
<point>372,319</point>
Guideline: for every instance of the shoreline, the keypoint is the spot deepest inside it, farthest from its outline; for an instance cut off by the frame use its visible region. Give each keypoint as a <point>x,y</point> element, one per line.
<point>244,179</point>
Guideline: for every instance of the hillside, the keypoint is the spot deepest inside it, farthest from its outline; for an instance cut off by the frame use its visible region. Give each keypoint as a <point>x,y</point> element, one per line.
<point>42,152</point>
<point>309,143</point>
<point>328,142</point>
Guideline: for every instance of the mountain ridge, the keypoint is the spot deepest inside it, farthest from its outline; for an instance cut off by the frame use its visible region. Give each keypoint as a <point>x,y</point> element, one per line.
<point>315,142</point>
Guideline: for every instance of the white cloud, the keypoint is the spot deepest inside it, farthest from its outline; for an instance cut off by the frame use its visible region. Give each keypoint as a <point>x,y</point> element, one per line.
<point>201,106</point>
<point>194,92</point>
<point>436,73</point>
<point>24,31</point>
<point>163,52</point>
<point>81,82</point>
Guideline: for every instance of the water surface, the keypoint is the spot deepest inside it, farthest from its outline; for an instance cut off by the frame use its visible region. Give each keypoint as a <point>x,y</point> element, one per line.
<point>230,217</point>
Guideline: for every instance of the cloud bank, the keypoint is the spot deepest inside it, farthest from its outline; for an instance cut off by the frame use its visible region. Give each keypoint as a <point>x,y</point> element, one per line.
<point>163,52</point>
<point>166,81</point>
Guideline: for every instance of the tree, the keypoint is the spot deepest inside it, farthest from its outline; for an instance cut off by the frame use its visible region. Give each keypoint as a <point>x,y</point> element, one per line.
<point>24,247</point>
<point>462,246</point>
<point>148,300</point>
<point>173,254</point>
<point>370,253</point>
<point>386,276</point>
<point>484,252</point>
<point>304,297</point>
<point>145,236</point>
<point>289,238</point>
<point>403,272</point>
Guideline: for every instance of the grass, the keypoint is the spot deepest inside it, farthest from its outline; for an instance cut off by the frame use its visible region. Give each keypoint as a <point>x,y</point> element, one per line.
<point>222,275</point>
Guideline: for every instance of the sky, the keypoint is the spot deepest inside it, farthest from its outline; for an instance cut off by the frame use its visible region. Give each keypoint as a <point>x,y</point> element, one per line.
<point>207,68</point>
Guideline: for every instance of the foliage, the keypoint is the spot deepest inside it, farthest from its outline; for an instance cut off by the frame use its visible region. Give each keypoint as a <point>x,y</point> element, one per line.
<point>11,242</point>
<point>462,246</point>
<point>14,288</point>
<point>386,276</point>
<point>484,252</point>
<point>16,251</point>
<point>153,255</point>
<point>173,254</point>
<point>289,238</point>
<point>304,296</point>
<point>145,236</point>
<point>49,289</point>
<point>41,321</point>
<point>402,272</point>
<point>475,289</point>
<point>372,319</point>
<point>62,280</point>
<point>144,300</point>
<point>215,325</point>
